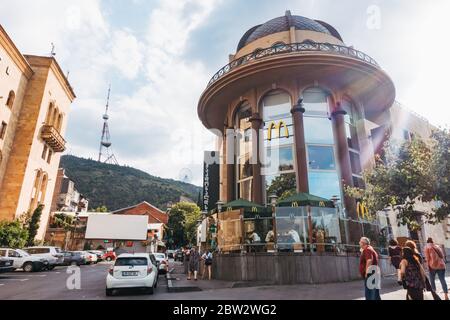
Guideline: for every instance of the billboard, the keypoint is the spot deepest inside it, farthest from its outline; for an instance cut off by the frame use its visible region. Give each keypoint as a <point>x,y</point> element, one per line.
<point>117,227</point>
<point>211,180</point>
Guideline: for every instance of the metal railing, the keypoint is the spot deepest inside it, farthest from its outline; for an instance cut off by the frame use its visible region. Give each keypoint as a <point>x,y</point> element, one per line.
<point>293,48</point>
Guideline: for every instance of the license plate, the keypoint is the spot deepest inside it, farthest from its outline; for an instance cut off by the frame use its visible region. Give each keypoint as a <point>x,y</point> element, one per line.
<point>130,273</point>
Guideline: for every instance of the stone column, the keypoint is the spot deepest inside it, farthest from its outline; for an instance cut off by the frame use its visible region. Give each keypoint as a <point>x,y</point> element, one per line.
<point>257,186</point>
<point>229,181</point>
<point>300,147</point>
<point>338,121</point>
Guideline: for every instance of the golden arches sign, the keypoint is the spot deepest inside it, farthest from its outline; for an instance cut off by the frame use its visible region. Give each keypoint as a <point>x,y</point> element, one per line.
<point>363,211</point>
<point>278,128</point>
<point>254,209</point>
<point>294,204</point>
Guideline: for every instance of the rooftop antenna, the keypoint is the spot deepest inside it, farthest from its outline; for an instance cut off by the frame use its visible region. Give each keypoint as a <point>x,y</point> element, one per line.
<point>106,154</point>
<point>53,53</point>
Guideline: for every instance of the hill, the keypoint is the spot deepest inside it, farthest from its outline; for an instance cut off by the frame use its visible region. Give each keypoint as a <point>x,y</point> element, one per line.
<point>118,187</point>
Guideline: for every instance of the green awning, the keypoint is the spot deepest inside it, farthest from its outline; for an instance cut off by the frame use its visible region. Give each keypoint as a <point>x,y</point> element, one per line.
<point>250,208</point>
<point>306,199</point>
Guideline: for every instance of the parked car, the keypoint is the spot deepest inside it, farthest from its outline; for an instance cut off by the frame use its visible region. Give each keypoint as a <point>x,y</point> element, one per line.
<point>179,255</point>
<point>72,259</point>
<point>98,253</point>
<point>162,262</point>
<point>88,257</point>
<point>109,256</point>
<point>171,254</point>
<point>52,254</point>
<point>23,260</point>
<point>132,271</point>
<point>6,265</point>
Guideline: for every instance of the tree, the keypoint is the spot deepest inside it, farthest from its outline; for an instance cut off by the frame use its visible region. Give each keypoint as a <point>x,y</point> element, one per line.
<point>441,171</point>
<point>102,209</point>
<point>182,223</point>
<point>13,234</point>
<point>405,177</point>
<point>283,186</point>
<point>34,225</point>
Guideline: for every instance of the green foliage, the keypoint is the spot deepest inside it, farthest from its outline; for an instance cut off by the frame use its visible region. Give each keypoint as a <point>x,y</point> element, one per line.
<point>13,234</point>
<point>118,187</point>
<point>412,171</point>
<point>441,171</point>
<point>182,224</point>
<point>61,220</point>
<point>283,186</point>
<point>34,225</point>
<point>102,209</point>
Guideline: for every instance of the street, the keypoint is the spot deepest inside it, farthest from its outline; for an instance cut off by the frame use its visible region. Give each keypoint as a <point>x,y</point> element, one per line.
<point>51,285</point>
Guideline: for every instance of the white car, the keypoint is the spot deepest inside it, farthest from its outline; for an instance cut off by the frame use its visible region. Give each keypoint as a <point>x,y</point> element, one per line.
<point>163,262</point>
<point>23,260</point>
<point>137,271</point>
<point>53,255</point>
<point>88,257</point>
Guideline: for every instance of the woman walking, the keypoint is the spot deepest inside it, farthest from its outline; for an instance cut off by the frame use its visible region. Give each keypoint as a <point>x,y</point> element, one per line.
<point>436,265</point>
<point>208,258</point>
<point>194,263</point>
<point>395,255</point>
<point>413,275</point>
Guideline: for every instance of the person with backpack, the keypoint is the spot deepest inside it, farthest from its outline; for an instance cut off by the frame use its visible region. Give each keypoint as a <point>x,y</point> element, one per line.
<point>436,265</point>
<point>413,275</point>
<point>208,258</point>
<point>395,256</point>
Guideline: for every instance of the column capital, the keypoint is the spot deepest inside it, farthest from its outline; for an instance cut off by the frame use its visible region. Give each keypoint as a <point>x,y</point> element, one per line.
<point>256,117</point>
<point>298,107</point>
<point>338,111</point>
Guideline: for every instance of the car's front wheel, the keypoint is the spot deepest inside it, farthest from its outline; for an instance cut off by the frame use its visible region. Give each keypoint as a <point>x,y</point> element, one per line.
<point>28,267</point>
<point>109,292</point>
<point>51,267</point>
<point>149,290</point>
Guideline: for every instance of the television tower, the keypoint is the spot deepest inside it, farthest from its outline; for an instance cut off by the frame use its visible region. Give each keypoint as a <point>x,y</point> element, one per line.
<point>106,154</point>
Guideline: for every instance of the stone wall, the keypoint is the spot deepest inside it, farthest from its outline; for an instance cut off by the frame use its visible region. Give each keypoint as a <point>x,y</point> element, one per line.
<point>290,268</point>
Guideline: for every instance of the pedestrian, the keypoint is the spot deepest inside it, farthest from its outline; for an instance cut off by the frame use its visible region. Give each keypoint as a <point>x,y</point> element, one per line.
<point>413,275</point>
<point>395,256</point>
<point>436,265</point>
<point>368,268</point>
<point>412,245</point>
<point>194,263</point>
<point>208,258</point>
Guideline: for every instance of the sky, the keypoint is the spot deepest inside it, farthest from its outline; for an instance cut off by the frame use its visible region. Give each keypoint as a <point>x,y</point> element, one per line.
<point>158,56</point>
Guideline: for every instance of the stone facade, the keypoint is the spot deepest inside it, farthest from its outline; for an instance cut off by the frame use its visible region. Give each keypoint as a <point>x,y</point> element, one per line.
<point>35,123</point>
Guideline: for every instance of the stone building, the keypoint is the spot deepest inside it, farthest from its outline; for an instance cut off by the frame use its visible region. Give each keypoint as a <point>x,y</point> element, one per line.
<point>35,97</point>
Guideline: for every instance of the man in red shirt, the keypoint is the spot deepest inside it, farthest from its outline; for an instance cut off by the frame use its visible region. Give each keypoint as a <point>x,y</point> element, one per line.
<point>369,270</point>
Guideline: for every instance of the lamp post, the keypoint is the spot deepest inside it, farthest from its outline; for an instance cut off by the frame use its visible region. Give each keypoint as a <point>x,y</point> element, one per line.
<point>220,205</point>
<point>273,202</point>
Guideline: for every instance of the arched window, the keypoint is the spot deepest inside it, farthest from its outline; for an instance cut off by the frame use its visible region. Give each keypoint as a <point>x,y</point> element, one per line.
<point>54,119</point>
<point>244,152</point>
<point>10,100</point>
<point>351,130</point>
<point>323,175</point>
<point>48,118</point>
<point>59,123</point>
<point>43,189</point>
<point>278,160</point>
<point>35,192</point>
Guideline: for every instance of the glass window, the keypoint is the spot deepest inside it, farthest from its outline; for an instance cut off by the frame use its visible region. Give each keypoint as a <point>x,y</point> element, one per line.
<point>321,158</point>
<point>229,235</point>
<point>355,163</point>
<point>122,262</point>
<point>316,101</point>
<point>280,184</point>
<point>279,160</point>
<point>244,152</point>
<point>13,254</point>
<point>2,253</point>
<point>291,229</point>
<point>318,130</point>
<point>324,184</point>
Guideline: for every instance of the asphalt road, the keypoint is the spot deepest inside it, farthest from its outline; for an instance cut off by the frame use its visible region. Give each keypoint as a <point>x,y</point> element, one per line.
<point>52,285</point>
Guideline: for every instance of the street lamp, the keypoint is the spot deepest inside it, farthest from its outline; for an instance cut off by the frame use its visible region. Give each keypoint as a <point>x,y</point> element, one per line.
<point>273,200</point>
<point>219,205</point>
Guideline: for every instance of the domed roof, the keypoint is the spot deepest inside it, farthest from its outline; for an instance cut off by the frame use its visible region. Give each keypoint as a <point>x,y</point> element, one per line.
<point>284,23</point>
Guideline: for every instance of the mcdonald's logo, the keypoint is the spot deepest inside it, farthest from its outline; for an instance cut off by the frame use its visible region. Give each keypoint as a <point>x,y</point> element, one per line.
<point>294,204</point>
<point>322,204</point>
<point>362,211</point>
<point>254,209</point>
<point>278,128</point>
<point>229,209</point>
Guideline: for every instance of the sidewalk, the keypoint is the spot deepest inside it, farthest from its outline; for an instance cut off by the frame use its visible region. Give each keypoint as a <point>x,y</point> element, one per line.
<point>228,290</point>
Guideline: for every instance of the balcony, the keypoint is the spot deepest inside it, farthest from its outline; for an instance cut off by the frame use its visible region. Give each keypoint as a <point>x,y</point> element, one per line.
<point>53,138</point>
<point>294,48</point>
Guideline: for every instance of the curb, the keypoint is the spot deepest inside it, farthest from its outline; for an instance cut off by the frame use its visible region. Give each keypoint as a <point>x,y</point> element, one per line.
<point>174,289</point>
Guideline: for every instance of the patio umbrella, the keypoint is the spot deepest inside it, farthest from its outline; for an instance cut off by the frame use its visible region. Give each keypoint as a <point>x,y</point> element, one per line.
<point>249,207</point>
<point>305,199</point>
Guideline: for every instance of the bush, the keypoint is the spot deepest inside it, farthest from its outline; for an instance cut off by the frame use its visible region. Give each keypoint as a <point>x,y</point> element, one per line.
<point>12,234</point>
<point>34,225</point>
